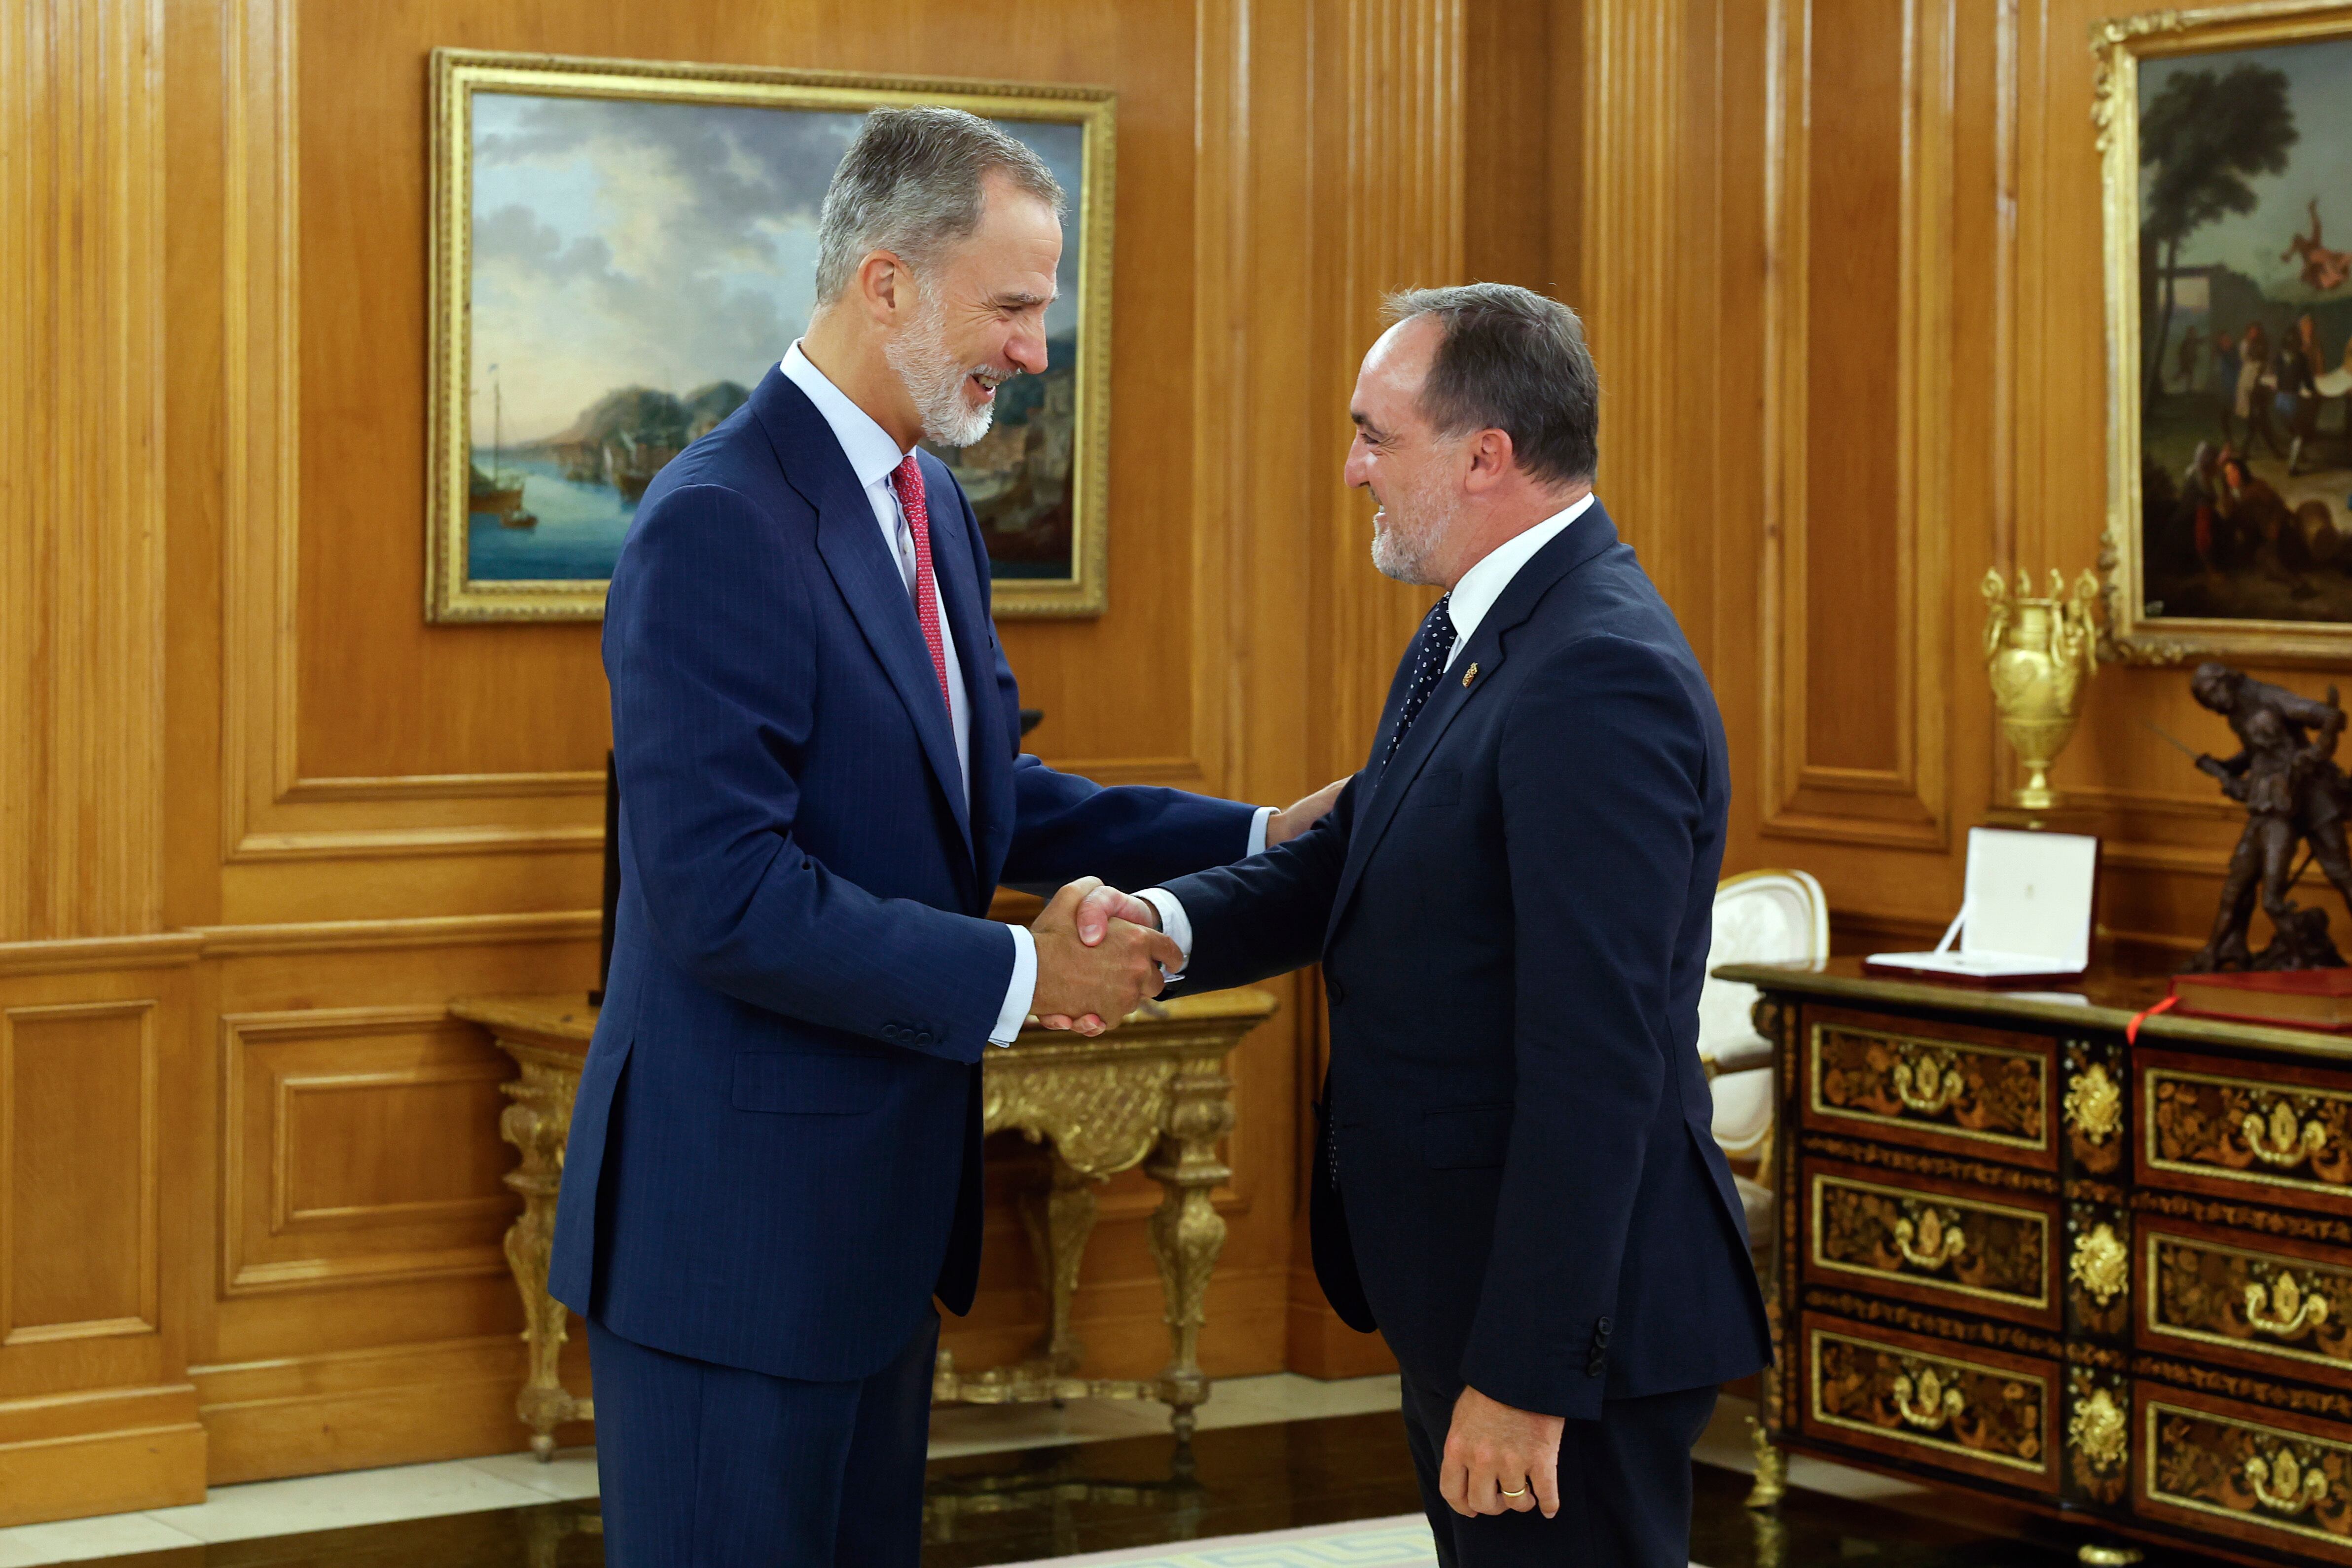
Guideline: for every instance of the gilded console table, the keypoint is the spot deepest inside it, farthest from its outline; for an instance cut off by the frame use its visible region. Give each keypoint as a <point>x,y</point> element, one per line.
<point>2024,1255</point>
<point>1152,1093</point>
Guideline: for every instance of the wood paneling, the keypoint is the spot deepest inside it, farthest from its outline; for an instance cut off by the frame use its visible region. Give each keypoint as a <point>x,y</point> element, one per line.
<point>81,449</point>
<point>97,1287</point>
<point>356,1151</point>
<point>77,1151</point>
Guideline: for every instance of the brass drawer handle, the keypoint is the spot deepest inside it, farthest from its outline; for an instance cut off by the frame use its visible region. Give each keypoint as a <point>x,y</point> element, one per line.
<point>2287,1139</point>
<point>2298,1488</point>
<point>2283,1307</point>
<point>1935,1404</point>
<point>1927,1081</point>
<point>1938,1241</point>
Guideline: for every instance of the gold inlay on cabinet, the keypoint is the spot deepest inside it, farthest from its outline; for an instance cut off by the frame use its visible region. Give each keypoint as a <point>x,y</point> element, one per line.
<point>2255,1474</point>
<point>1932,1402</point>
<point>1960,1246</point>
<point>1959,1089</point>
<point>2239,1129</point>
<point>2259,1301</point>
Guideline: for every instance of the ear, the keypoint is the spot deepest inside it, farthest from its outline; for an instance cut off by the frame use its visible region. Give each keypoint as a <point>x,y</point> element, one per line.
<point>883,287</point>
<point>1492,461</point>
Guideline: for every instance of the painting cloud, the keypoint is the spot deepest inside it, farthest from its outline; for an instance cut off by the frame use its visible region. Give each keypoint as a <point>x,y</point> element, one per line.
<point>667,245</point>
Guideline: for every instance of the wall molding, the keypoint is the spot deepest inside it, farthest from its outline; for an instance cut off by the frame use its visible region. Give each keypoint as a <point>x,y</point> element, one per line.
<point>81,518</point>
<point>243,1272</point>
<point>1906,805</point>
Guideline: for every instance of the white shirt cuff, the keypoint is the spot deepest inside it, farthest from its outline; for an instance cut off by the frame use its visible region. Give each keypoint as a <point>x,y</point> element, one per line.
<point>1257,844</point>
<point>1174,921</point>
<point>1021,992</point>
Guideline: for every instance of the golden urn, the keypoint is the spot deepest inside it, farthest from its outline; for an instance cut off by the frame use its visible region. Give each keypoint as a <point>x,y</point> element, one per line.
<point>2038,652</point>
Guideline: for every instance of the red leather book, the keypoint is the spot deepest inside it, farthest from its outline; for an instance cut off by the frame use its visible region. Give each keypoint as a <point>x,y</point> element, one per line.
<point>2298,998</point>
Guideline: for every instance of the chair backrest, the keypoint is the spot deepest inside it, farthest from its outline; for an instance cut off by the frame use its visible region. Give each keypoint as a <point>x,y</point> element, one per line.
<point>1762,917</point>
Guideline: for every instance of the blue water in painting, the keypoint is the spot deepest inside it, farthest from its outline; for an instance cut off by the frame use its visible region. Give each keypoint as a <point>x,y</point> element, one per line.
<point>578,537</point>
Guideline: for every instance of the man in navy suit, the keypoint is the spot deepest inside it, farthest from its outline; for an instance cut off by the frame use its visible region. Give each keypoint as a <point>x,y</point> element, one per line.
<point>774,1163</point>
<point>1511,903</point>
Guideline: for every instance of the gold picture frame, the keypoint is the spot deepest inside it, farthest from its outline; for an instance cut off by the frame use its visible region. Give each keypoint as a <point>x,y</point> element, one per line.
<point>1059,538</point>
<point>2145,622</point>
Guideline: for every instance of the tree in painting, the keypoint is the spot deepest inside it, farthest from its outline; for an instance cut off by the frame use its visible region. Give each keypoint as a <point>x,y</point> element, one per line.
<point>2201,138</point>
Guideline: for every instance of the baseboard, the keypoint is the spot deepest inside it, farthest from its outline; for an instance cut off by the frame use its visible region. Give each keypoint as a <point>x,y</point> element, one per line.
<point>359,1410</point>
<point>101,1472</point>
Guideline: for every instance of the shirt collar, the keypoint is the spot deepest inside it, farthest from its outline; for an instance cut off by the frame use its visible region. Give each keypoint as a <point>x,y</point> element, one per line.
<point>872,454</point>
<point>1484,583</point>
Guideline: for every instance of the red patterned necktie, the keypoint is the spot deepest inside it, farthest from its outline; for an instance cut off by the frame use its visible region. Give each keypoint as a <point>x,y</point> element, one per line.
<point>907,481</point>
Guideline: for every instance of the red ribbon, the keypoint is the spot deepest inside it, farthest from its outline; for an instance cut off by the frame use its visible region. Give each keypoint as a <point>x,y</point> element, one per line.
<point>2131,1030</point>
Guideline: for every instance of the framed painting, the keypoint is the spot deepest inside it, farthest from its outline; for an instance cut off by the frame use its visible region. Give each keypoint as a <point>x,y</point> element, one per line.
<point>2228,211</point>
<point>621,251</point>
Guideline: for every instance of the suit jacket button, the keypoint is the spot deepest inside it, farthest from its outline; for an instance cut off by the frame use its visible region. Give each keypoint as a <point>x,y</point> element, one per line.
<point>924,1038</point>
<point>1337,992</point>
<point>1600,1330</point>
<point>892,1033</point>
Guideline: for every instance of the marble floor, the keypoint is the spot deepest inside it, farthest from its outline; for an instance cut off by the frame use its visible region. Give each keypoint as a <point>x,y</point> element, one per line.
<point>1010,1486</point>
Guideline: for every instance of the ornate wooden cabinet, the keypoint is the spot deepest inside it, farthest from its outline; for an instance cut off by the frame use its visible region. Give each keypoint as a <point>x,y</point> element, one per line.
<point>2019,1254</point>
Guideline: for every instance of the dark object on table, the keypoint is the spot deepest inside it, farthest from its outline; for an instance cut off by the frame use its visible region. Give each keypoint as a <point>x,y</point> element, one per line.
<point>2285,776</point>
<point>612,879</point>
<point>2303,998</point>
<point>1030,719</point>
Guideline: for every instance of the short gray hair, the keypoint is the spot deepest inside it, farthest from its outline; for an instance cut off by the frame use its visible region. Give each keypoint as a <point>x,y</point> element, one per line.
<point>911,183</point>
<point>1510,360</point>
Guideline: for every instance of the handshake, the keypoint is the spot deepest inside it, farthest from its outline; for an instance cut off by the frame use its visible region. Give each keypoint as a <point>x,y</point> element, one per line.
<point>1100,952</point>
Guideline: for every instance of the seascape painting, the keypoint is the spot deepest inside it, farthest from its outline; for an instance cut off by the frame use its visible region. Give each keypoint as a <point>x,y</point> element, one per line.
<point>2240,309</point>
<point>637,250</point>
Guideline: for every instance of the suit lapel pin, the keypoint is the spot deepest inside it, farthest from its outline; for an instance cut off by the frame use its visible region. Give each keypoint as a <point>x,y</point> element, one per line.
<point>1470,674</point>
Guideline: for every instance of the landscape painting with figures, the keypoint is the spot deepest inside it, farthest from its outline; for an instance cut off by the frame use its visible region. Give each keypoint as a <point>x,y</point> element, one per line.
<point>638,250</point>
<point>2244,304</point>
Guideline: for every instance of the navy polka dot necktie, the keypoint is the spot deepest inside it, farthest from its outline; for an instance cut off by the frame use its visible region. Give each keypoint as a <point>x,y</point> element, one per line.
<point>1431,649</point>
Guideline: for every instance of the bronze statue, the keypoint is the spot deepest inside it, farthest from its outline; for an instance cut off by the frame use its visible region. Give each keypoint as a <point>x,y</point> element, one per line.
<point>2285,776</point>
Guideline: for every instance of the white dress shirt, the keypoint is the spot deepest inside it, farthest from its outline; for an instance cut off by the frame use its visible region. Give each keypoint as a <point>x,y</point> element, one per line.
<point>1466,606</point>
<point>874,456</point>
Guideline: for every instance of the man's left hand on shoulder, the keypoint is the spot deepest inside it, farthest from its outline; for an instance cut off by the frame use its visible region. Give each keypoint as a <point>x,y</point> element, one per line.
<point>1495,1451</point>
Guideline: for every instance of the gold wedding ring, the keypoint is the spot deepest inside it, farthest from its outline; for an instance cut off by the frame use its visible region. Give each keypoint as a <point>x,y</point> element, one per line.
<point>1521,1492</point>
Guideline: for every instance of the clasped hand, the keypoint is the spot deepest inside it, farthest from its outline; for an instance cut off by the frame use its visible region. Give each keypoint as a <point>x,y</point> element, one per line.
<point>1097,960</point>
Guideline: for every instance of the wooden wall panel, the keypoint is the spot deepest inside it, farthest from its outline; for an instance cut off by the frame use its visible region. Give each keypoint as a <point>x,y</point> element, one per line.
<point>80,1160</point>
<point>97,1287</point>
<point>81,332</point>
<point>354,1148</point>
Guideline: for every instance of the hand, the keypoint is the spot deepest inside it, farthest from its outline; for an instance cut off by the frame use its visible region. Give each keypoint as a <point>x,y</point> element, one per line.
<point>1493,1448</point>
<point>1085,985</point>
<point>1096,912</point>
<point>1302,814</point>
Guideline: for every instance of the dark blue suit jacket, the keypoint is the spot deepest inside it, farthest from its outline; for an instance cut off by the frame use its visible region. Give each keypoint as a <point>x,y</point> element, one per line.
<point>1517,1182</point>
<point>774,1159</point>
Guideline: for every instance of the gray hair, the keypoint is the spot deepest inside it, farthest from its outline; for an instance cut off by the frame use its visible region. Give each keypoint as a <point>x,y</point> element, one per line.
<point>910,183</point>
<point>1513,360</point>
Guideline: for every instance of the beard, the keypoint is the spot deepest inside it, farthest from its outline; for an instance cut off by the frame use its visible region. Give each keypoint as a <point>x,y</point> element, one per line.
<point>1404,534</point>
<point>924,365</point>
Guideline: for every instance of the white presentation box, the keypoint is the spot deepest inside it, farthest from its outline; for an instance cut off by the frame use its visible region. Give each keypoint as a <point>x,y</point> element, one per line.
<point>2024,917</point>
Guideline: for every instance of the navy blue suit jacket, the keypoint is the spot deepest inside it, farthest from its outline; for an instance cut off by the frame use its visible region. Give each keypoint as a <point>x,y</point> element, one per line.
<point>1517,1182</point>
<point>774,1159</point>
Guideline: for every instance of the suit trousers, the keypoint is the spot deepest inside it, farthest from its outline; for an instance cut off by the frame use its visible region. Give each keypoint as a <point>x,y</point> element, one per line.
<point>1624,1487</point>
<point>714,1467</point>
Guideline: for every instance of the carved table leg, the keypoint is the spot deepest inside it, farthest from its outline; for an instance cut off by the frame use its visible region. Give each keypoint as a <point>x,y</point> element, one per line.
<point>1187,1231</point>
<point>537,1123</point>
<point>1059,1221</point>
<point>1771,1469</point>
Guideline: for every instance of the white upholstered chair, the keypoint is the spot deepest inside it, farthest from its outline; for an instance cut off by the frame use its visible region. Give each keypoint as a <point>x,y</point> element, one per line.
<point>1761,917</point>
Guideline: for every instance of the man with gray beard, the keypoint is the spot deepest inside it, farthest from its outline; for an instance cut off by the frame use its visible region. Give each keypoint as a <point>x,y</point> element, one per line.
<point>774,1162</point>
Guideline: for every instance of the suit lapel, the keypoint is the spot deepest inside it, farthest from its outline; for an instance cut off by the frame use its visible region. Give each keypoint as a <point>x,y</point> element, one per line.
<point>1585,537</point>
<point>850,542</point>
